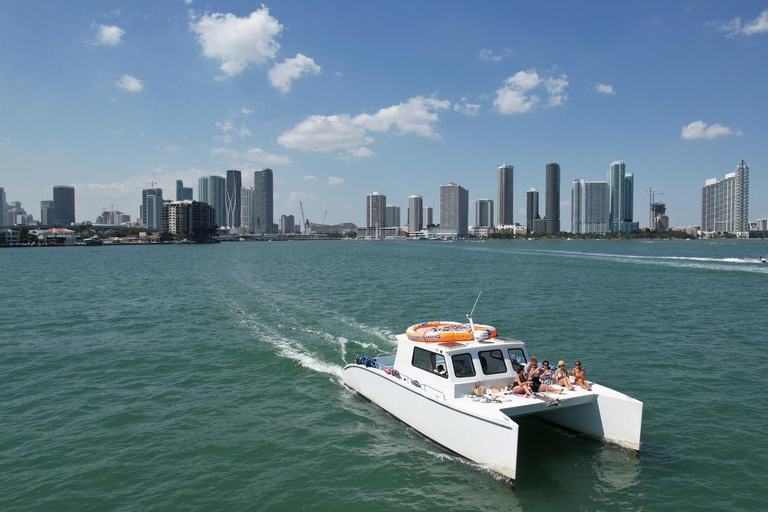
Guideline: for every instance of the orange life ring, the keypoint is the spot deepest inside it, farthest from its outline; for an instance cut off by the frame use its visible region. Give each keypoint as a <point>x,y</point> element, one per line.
<point>436,332</point>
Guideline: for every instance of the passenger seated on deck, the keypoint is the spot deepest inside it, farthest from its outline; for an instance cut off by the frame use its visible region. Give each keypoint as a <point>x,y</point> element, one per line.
<point>530,366</point>
<point>521,384</point>
<point>580,376</point>
<point>537,375</point>
<point>561,376</point>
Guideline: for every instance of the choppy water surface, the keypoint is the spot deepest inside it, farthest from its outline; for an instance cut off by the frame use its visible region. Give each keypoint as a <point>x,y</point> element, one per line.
<point>208,377</point>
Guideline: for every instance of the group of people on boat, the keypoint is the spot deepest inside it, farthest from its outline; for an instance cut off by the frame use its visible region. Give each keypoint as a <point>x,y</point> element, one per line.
<point>537,377</point>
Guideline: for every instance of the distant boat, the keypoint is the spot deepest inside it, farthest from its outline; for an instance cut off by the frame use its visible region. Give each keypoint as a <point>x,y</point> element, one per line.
<point>761,260</point>
<point>94,240</point>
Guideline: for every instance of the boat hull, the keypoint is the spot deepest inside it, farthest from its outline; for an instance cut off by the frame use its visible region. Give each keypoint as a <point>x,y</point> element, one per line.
<point>491,442</point>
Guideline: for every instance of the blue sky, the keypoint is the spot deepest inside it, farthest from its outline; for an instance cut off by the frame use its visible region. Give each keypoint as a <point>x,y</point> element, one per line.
<point>344,98</point>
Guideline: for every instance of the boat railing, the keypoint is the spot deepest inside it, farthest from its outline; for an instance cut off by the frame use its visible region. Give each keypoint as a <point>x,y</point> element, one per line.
<point>425,387</point>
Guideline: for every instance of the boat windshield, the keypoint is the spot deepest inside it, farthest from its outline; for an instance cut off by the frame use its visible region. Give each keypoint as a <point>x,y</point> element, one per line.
<point>429,362</point>
<point>462,365</point>
<point>517,354</point>
<point>492,361</point>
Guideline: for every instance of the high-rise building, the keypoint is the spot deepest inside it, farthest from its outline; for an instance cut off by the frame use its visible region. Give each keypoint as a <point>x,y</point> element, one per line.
<point>158,193</point>
<point>63,205</point>
<point>415,205</point>
<point>248,208</point>
<point>232,198</point>
<point>202,189</point>
<point>153,220</point>
<point>264,202</point>
<point>428,217</point>
<point>725,204</point>
<point>531,209</point>
<point>375,210</point>
<point>590,207</point>
<point>484,213</point>
<point>217,199</point>
<point>192,219</point>
<point>46,212</point>
<point>183,193</point>
<point>506,190</point>
<point>392,217</point>
<point>287,224</point>
<point>454,208</point>
<point>552,212</point>
<point>3,208</point>
<point>621,185</point>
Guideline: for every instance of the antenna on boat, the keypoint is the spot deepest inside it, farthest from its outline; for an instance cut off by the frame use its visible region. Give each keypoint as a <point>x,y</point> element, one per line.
<point>469,316</point>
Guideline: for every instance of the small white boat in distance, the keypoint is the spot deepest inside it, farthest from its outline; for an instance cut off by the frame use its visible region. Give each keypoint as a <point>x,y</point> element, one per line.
<point>430,384</point>
<point>761,260</point>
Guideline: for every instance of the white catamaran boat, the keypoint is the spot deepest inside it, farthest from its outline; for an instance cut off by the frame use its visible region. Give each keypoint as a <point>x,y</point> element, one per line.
<point>432,383</point>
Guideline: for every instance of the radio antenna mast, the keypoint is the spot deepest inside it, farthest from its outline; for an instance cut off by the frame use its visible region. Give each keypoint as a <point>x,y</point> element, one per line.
<point>469,316</point>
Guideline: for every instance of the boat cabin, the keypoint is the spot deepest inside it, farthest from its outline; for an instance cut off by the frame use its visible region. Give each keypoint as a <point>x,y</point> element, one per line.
<point>455,368</point>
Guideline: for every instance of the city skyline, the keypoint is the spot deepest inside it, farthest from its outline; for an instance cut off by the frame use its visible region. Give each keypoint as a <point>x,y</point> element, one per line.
<point>158,96</point>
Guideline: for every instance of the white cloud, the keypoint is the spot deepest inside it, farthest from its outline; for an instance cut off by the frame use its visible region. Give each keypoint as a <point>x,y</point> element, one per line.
<point>246,111</point>
<point>360,152</point>
<point>331,133</point>
<point>466,108</point>
<point>486,54</point>
<point>605,89</point>
<point>556,89</point>
<point>130,84</point>
<point>700,130</point>
<point>188,2</point>
<point>334,180</point>
<point>309,178</point>
<point>734,27</point>
<point>109,34</point>
<point>172,149</point>
<point>238,42</point>
<point>252,156</point>
<point>281,75</point>
<point>228,126</point>
<point>515,96</point>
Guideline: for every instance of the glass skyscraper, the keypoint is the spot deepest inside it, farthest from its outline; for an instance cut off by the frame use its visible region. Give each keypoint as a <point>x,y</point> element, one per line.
<point>484,213</point>
<point>415,219</point>
<point>64,205</point>
<point>590,207</point>
<point>234,187</point>
<point>375,210</point>
<point>531,208</point>
<point>552,214</point>
<point>506,174</point>
<point>725,203</point>
<point>621,185</point>
<point>454,208</point>
<point>264,200</point>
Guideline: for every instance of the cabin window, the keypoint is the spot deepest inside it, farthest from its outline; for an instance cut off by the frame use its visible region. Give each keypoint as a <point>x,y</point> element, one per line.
<point>517,356</point>
<point>492,362</point>
<point>429,362</point>
<point>462,365</point>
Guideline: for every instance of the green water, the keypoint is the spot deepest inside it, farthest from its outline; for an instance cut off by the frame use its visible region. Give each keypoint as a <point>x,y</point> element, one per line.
<point>208,377</point>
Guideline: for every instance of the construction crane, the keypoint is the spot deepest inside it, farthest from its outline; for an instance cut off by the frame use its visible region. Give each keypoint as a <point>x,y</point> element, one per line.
<point>652,200</point>
<point>324,216</point>
<point>151,184</point>
<point>303,227</point>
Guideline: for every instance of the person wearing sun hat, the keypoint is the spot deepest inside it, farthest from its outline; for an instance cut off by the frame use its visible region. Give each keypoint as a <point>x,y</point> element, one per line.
<point>561,376</point>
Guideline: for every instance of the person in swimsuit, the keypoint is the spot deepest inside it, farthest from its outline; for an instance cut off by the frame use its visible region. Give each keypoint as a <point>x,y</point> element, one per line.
<point>580,376</point>
<point>530,366</point>
<point>561,376</point>
<point>537,375</point>
<point>521,385</point>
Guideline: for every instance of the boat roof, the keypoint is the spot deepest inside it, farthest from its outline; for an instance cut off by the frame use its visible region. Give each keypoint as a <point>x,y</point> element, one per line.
<point>448,347</point>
